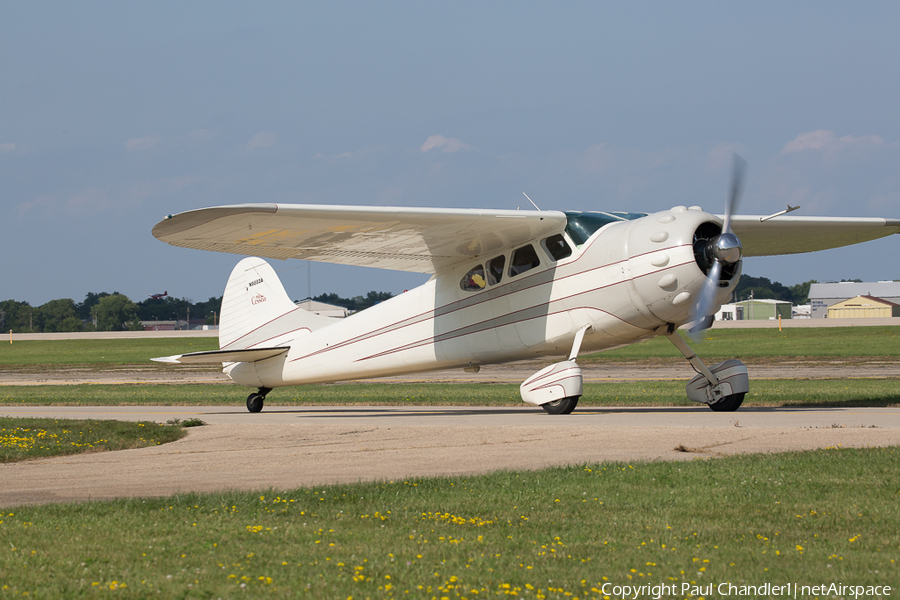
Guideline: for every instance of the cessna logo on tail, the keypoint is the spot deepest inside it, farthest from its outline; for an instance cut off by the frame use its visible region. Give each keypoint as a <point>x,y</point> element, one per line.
<point>258,299</point>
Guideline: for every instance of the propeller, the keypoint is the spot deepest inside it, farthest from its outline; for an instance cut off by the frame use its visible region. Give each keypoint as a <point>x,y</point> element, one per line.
<point>721,250</point>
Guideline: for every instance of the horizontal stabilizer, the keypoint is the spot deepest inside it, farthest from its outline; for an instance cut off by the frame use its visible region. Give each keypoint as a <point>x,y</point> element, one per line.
<point>222,356</point>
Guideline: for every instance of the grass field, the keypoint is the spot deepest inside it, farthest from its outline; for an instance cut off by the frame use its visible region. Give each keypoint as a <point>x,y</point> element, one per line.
<point>772,392</point>
<point>761,344</point>
<point>806,518</point>
<point>22,439</point>
<point>715,345</point>
<point>98,352</point>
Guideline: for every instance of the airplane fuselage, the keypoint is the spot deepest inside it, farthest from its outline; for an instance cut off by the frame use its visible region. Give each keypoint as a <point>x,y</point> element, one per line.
<point>622,284</point>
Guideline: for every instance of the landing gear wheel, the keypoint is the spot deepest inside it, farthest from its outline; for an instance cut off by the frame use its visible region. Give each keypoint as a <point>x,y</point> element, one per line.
<point>255,402</point>
<point>563,406</point>
<point>728,403</point>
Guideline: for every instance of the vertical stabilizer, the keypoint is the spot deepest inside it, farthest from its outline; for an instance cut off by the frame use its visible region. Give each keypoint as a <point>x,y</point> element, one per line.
<point>256,309</point>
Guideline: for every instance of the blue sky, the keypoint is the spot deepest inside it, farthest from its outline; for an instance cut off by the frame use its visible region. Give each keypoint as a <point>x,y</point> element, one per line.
<point>114,114</point>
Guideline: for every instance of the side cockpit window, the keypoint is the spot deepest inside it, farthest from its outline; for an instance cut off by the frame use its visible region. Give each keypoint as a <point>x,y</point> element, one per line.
<point>557,247</point>
<point>524,259</point>
<point>473,280</point>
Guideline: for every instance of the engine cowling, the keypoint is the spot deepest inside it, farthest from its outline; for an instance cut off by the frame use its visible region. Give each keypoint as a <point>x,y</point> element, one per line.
<point>670,254</point>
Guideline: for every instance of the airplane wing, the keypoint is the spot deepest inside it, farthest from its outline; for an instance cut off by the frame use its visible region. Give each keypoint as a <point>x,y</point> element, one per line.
<point>422,240</point>
<point>793,235</point>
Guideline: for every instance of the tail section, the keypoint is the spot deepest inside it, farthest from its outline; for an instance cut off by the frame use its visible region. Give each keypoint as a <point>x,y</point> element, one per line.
<point>257,311</point>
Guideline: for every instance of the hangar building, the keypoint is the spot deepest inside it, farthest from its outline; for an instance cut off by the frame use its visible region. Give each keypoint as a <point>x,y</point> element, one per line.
<point>863,307</point>
<point>823,295</point>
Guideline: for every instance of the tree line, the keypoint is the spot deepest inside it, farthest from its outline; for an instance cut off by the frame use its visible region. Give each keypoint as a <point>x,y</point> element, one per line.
<point>116,312</point>
<point>763,288</point>
<point>102,312</point>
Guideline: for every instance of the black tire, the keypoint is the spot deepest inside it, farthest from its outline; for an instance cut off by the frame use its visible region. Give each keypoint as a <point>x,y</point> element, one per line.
<point>255,402</point>
<point>561,407</point>
<point>728,403</point>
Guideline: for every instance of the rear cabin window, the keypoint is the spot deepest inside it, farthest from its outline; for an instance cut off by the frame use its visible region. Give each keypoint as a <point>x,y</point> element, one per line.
<point>495,269</point>
<point>556,247</point>
<point>523,259</point>
<point>473,280</point>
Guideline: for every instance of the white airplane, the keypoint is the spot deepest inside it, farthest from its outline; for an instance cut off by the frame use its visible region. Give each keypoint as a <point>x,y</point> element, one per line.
<point>506,285</point>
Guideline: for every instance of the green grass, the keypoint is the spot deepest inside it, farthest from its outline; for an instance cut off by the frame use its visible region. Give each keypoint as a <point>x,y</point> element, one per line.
<point>763,392</point>
<point>810,343</point>
<point>35,353</point>
<point>22,439</point>
<point>807,518</point>
<point>716,344</point>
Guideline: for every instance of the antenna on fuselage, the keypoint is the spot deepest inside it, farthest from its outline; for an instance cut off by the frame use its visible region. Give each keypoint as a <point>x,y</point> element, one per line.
<point>532,201</point>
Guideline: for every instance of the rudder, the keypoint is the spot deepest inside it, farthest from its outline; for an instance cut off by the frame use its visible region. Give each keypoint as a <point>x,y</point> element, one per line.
<point>256,308</point>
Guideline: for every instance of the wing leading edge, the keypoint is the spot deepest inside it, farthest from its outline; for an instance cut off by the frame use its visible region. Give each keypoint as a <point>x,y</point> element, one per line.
<point>422,240</point>
<point>425,240</point>
<point>793,235</point>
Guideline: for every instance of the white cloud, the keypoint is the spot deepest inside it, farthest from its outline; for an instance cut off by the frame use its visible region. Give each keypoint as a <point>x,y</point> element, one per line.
<point>824,139</point>
<point>443,144</point>
<point>142,143</point>
<point>261,140</point>
<point>7,147</point>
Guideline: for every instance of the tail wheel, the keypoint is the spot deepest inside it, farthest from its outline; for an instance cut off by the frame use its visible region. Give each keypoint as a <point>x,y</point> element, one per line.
<point>255,402</point>
<point>563,406</point>
<point>728,403</point>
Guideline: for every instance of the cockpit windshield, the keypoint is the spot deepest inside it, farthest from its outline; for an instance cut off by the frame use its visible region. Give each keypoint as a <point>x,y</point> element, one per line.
<point>582,225</point>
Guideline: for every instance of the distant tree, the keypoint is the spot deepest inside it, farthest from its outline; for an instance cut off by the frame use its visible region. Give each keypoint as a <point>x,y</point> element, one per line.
<point>209,310</point>
<point>762,288</point>
<point>17,316</point>
<point>373,297</point>
<point>801,292</point>
<point>171,309</point>
<point>59,315</point>
<point>114,312</point>
<point>163,309</point>
<point>332,298</point>
<point>90,301</point>
<point>356,303</point>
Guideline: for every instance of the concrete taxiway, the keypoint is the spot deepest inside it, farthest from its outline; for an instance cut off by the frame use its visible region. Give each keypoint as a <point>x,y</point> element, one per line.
<point>286,447</point>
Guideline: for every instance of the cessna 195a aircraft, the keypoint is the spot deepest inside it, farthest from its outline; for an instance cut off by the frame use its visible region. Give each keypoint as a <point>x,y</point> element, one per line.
<point>506,285</point>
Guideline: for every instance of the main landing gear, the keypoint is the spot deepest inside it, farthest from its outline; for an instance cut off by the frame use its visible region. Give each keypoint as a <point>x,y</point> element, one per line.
<point>563,406</point>
<point>256,400</point>
<point>722,387</point>
<point>558,387</point>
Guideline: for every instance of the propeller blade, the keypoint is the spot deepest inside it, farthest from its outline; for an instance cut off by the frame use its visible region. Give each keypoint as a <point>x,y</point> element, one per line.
<point>737,185</point>
<point>723,249</point>
<point>707,299</point>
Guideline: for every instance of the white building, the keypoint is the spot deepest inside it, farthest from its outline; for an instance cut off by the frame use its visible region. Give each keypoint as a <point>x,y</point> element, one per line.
<point>323,309</point>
